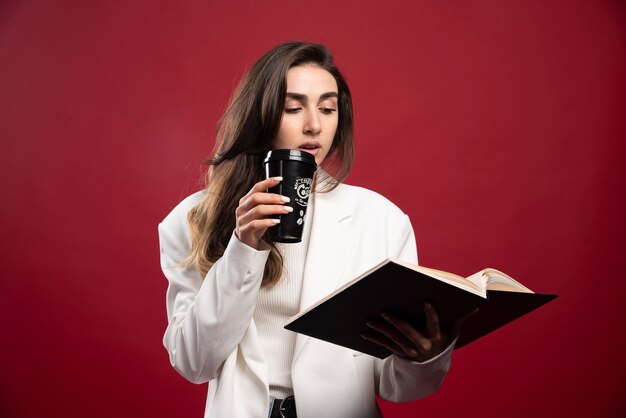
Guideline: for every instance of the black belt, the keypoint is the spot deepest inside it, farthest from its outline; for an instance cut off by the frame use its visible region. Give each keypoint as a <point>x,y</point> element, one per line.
<point>284,408</point>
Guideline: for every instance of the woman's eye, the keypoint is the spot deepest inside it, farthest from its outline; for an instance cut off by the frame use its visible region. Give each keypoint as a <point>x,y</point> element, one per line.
<point>328,110</point>
<point>292,109</point>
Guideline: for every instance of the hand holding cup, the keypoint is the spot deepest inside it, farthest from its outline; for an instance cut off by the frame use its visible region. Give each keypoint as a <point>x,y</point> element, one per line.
<point>252,214</point>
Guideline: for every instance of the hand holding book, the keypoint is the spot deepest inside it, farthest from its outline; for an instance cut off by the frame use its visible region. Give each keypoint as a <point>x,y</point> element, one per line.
<point>404,340</point>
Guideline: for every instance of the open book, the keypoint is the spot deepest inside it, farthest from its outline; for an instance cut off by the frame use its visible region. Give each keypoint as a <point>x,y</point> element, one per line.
<point>402,288</point>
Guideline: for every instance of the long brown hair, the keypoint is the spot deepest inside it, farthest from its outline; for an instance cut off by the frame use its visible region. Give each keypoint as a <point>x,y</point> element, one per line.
<point>245,134</point>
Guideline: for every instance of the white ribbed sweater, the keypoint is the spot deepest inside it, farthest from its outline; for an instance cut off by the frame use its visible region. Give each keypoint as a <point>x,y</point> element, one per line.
<point>275,305</point>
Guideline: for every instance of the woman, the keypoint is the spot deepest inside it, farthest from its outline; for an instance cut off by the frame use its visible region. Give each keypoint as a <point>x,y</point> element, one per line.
<point>230,291</point>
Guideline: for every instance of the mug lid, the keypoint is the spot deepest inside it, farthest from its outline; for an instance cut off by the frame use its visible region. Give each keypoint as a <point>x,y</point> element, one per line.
<point>290,154</point>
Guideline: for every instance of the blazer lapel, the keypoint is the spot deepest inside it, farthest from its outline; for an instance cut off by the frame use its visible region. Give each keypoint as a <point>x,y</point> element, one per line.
<point>330,246</point>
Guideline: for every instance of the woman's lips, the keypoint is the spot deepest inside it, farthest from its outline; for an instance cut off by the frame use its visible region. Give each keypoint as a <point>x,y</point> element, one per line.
<point>313,151</point>
<point>312,147</point>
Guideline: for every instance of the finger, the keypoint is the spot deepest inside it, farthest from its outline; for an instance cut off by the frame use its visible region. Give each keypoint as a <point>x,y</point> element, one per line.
<point>256,228</point>
<point>248,202</point>
<point>265,184</point>
<point>407,348</point>
<point>261,186</point>
<point>263,211</point>
<point>432,322</point>
<point>384,342</point>
<point>416,338</point>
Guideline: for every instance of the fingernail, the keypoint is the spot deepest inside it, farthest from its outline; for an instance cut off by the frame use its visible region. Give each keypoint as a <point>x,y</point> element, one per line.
<point>427,305</point>
<point>288,208</point>
<point>285,199</point>
<point>278,178</point>
<point>384,315</point>
<point>413,352</point>
<point>370,324</point>
<point>276,221</point>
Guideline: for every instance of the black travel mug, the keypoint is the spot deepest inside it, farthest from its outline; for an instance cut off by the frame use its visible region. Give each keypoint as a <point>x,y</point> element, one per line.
<point>297,168</point>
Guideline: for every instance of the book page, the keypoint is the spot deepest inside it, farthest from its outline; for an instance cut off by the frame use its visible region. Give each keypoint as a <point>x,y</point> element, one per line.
<point>493,279</point>
<point>451,278</point>
<point>446,277</point>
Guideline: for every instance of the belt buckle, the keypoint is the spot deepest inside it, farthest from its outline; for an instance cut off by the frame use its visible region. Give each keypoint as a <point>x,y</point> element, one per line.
<point>283,407</point>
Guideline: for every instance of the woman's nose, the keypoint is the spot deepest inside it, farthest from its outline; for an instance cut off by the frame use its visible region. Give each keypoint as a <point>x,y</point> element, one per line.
<point>312,125</point>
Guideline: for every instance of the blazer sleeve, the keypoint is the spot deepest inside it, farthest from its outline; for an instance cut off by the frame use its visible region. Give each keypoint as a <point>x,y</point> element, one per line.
<point>207,317</point>
<point>397,379</point>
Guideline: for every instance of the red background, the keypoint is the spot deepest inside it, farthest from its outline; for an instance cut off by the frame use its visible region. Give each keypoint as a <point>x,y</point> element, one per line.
<point>497,126</point>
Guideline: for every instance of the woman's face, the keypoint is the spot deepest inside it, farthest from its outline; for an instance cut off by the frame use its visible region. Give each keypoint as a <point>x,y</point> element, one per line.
<point>310,115</point>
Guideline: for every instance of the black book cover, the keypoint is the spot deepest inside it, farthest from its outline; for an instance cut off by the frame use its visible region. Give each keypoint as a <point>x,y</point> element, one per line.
<point>395,288</point>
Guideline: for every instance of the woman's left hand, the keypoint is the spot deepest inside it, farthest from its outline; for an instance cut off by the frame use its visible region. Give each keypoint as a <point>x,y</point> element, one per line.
<point>402,339</point>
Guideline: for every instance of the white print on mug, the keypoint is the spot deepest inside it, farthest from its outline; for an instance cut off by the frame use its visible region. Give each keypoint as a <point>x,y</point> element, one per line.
<point>303,189</point>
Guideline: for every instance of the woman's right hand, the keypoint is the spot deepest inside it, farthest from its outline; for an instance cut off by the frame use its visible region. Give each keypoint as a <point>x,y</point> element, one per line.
<point>253,211</point>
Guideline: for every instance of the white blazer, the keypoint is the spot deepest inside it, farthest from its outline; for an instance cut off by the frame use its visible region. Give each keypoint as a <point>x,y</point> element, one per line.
<point>211,336</point>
